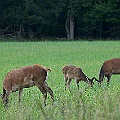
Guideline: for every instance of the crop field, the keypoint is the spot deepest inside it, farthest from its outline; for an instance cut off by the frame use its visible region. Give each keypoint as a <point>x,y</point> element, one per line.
<point>97,103</point>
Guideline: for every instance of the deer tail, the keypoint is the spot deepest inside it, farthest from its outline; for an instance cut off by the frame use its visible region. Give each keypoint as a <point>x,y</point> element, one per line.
<point>49,69</point>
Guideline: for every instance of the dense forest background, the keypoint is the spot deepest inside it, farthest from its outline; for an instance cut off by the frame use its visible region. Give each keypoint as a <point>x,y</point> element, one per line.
<point>60,19</point>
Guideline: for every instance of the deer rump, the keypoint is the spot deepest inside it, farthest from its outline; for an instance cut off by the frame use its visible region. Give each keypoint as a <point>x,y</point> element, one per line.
<point>109,68</point>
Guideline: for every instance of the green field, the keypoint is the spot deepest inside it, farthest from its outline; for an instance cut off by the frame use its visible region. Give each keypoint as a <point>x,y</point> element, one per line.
<point>97,103</point>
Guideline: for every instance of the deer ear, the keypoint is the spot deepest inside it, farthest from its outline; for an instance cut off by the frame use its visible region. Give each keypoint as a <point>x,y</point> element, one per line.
<point>96,79</point>
<point>93,78</point>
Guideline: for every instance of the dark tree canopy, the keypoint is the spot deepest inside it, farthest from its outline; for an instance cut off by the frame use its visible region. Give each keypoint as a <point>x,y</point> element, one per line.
<point>79,19</point>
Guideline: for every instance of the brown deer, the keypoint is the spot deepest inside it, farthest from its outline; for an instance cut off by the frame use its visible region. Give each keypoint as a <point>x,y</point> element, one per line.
<point>72,72</point>
<point>25,77</point>
<point>108,68</point>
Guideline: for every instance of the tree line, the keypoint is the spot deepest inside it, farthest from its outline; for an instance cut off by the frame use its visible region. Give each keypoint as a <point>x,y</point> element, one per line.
<point>71,19</point>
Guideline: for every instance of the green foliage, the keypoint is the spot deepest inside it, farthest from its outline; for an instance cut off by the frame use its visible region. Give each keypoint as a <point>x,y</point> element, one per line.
<point>41,18</point>
<point>105,11</point>
<point>84,104</point>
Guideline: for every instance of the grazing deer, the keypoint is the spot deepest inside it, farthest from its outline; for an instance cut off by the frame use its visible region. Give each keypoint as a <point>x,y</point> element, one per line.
<point>25,77</point>
<point>108,68</point>
<point>72,72</point>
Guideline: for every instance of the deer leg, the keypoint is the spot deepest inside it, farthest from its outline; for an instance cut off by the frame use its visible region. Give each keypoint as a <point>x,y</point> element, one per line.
<point>5,98</point>
<point>66,79</point>
<point>20,94</point>
<point>69,81</point>
<point>108,79</point>
<point>77,81</point>
<point>4,92</point>
<point>44,95</point>
<point>49,90</point>
<point>101,77</point>
<point>44,92</point>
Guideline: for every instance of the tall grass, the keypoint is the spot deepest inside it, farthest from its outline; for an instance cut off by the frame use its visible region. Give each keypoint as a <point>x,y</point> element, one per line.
<point>101,103</point>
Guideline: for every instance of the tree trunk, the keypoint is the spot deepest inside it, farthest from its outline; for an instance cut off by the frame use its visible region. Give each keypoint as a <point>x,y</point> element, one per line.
<point>67,28</point>
<point>20,33</point>
<point>70,26</point>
